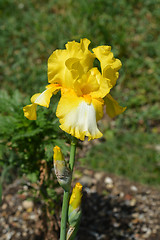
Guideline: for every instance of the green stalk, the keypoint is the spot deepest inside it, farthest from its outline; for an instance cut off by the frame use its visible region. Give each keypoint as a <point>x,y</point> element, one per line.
<point>66,195</point>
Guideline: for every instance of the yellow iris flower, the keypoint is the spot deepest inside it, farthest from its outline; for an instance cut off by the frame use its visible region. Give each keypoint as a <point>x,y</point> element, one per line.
<point>84,89</point>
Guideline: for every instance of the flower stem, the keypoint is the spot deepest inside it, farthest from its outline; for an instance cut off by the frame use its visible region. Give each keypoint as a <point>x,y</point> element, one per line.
<point>72,155</point>
<point>66,195</point>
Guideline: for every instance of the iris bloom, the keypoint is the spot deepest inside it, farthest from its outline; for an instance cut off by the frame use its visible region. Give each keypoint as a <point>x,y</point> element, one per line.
<point>84,89</point>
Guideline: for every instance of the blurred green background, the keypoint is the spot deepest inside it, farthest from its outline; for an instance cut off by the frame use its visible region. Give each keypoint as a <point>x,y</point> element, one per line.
<point>30,31</point>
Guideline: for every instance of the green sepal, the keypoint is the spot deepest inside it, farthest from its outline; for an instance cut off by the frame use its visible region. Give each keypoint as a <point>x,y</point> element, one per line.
<point>74,216</point>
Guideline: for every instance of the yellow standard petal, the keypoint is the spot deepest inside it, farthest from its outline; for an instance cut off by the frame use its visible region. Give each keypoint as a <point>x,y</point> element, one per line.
<point>78,115</point>
<point>65,66</point>
<point>112,106</point>
<point>109,64</point>
<point>92,83</point>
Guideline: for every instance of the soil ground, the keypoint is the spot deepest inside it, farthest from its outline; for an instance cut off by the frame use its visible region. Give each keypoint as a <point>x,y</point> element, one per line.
<point>113,208</point>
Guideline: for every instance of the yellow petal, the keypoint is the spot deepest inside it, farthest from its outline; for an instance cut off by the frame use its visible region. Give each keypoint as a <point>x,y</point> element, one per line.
<point>100,86</point>
<point>79,118</point>
<point>87,61</point>
<point>92,83</point>
<point>75,199</point>
<point>65,66</point>
<point>112,106</point>
<point>57,69</point>
<point>98,106</point>
<point>43,99</point>
<point>34,97</point>
<point>58,154</point>
<point>30,111</point>
<point>109,64</point>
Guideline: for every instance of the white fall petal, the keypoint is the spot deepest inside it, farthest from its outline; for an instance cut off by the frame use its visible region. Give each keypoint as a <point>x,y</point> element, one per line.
<point>78,120</point>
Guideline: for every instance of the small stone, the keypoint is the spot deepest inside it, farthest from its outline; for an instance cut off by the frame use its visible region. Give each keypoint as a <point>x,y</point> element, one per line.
<point>108,180</point>
<point>4,206</point>
<point>144,229</point>
<point>135,215</point>
<point>33,217</point>
<point>87,172</point>
<point>116,225</point>
<point>27,204</point>
<point>25,187</point>
<point>134,188</point>
<point>8,197</point>
<point>148,233</point>
<point>135,221</point>
<point>98,175</point>
<point>86,181</point>
<point>9,235</point>
<point>19,208</point>
<point>18,234</point>
<point>121,194</point>
<point>133,202</point>
<point>128,197</point>
<point>24,234</point>
<point>141,217</point>
<point>109,186</point>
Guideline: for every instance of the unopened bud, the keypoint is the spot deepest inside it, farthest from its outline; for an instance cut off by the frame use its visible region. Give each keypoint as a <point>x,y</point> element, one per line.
<point>74,212</point>
<point>75,199</point>
<point>62,172</point>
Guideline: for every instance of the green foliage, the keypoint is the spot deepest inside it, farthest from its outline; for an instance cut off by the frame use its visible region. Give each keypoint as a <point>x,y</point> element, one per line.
<point>25,143</point>
<point>131,154</point>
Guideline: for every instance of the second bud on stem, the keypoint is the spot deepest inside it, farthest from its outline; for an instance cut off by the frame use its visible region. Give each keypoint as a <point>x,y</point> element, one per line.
<point>63,173</point>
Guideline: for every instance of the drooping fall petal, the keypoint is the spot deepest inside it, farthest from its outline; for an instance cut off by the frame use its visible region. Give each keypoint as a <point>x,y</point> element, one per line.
<point>78,117</point>
<point>42,99</point>
<point>112,106</point>
<point>30,111</point>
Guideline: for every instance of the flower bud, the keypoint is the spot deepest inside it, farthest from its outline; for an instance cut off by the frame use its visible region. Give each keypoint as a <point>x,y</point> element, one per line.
<point>62,172</point>
<point>74,212</point>
<point>75,199</point>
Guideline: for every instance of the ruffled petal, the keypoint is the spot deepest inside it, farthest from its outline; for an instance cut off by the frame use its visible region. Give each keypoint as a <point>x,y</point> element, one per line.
<point>65,66</point>
<point>57,69</point>
<point>112,106</point>
<point>30,111</point>
<point>109,64</point>
<point>92,83</point>
<point>87,61</point>
<point>79,118</point>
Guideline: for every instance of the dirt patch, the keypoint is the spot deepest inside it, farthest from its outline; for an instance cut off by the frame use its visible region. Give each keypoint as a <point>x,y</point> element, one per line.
<point>113,208</point>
